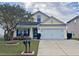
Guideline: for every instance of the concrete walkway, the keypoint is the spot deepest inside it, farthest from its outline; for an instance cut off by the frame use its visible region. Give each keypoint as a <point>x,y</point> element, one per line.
<point>58,48</point>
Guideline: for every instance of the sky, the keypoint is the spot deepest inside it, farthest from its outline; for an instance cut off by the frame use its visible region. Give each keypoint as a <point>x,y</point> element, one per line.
<point>63,11</point>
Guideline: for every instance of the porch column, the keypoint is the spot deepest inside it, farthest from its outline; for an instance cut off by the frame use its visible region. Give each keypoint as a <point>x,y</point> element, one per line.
<point>31,33</point>
<point>14,34</point>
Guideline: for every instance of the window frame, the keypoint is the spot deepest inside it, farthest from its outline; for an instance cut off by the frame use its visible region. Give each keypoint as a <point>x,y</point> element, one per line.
<point>39,18</point>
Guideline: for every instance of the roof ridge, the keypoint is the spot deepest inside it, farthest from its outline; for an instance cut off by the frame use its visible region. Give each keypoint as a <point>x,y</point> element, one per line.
<point>57,19</point>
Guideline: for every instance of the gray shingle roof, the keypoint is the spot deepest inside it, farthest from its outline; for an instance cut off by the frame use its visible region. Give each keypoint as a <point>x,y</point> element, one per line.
<point>73,19</point>
<point>27,23</point>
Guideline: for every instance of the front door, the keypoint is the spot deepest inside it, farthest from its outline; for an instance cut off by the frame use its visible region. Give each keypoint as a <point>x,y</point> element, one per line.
<point>26,32</point>
<point>35,32</point>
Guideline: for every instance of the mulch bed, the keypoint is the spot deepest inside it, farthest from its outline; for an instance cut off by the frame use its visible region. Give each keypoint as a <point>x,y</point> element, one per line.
<point>12,42</point>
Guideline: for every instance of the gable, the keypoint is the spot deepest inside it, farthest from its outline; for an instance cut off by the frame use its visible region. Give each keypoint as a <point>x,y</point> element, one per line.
<point>53,20</point>
<point>45,19</point>
<point>43,16</point>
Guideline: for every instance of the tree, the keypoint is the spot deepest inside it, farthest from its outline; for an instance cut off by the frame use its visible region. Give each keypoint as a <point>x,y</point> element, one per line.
<point>9,16</point>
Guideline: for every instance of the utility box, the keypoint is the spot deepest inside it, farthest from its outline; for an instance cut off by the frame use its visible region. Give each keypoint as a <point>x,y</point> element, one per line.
<point>38,36</point>
<point>69,35</point>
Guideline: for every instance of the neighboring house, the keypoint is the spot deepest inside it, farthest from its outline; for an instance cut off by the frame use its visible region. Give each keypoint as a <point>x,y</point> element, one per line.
<point>73,27</point>
<point>48,27</point>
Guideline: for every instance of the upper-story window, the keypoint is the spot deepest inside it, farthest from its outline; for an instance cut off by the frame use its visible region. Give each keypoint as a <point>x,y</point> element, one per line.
<point>75,21</point>
<point>38,18</point>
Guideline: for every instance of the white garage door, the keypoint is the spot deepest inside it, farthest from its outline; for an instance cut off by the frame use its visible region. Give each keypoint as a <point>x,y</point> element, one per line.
<point>52,33</point>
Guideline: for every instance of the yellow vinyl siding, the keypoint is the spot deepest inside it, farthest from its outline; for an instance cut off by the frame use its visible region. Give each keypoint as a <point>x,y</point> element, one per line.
<point>47,20</point>
<point>52,26</point>
<point>43,17</point>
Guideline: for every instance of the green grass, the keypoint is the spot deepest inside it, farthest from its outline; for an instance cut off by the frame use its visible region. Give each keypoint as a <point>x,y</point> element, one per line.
<point>74,39</point>
<point>17,49</point>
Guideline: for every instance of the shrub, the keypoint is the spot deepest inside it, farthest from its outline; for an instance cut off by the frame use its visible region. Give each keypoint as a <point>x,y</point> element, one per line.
<point>18,38</point>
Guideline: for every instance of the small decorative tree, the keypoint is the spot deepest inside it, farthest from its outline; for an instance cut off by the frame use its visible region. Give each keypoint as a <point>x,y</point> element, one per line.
<point>27,44</point>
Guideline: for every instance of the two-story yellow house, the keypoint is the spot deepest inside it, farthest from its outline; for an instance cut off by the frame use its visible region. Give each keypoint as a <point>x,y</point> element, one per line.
<point>48,27</point>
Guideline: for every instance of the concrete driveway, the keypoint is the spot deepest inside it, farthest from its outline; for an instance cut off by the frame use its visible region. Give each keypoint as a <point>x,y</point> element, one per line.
<point>58,48</point>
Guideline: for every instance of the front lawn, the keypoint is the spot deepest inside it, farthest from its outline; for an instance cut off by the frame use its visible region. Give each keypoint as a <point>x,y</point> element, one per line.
<point>9,49</point>
<point>76,39</point>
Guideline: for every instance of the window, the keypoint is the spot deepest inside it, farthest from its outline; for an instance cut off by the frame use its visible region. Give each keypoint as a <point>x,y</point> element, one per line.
<point>23,32</point>
<point>19,32</point>
<point>75,21</point>
<point>38,18</point>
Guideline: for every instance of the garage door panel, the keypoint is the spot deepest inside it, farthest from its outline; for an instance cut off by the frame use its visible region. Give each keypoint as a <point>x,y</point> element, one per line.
<point>52,34</point>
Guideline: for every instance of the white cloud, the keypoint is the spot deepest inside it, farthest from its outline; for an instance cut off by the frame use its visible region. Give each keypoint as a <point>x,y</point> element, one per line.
<point>60,10</point>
